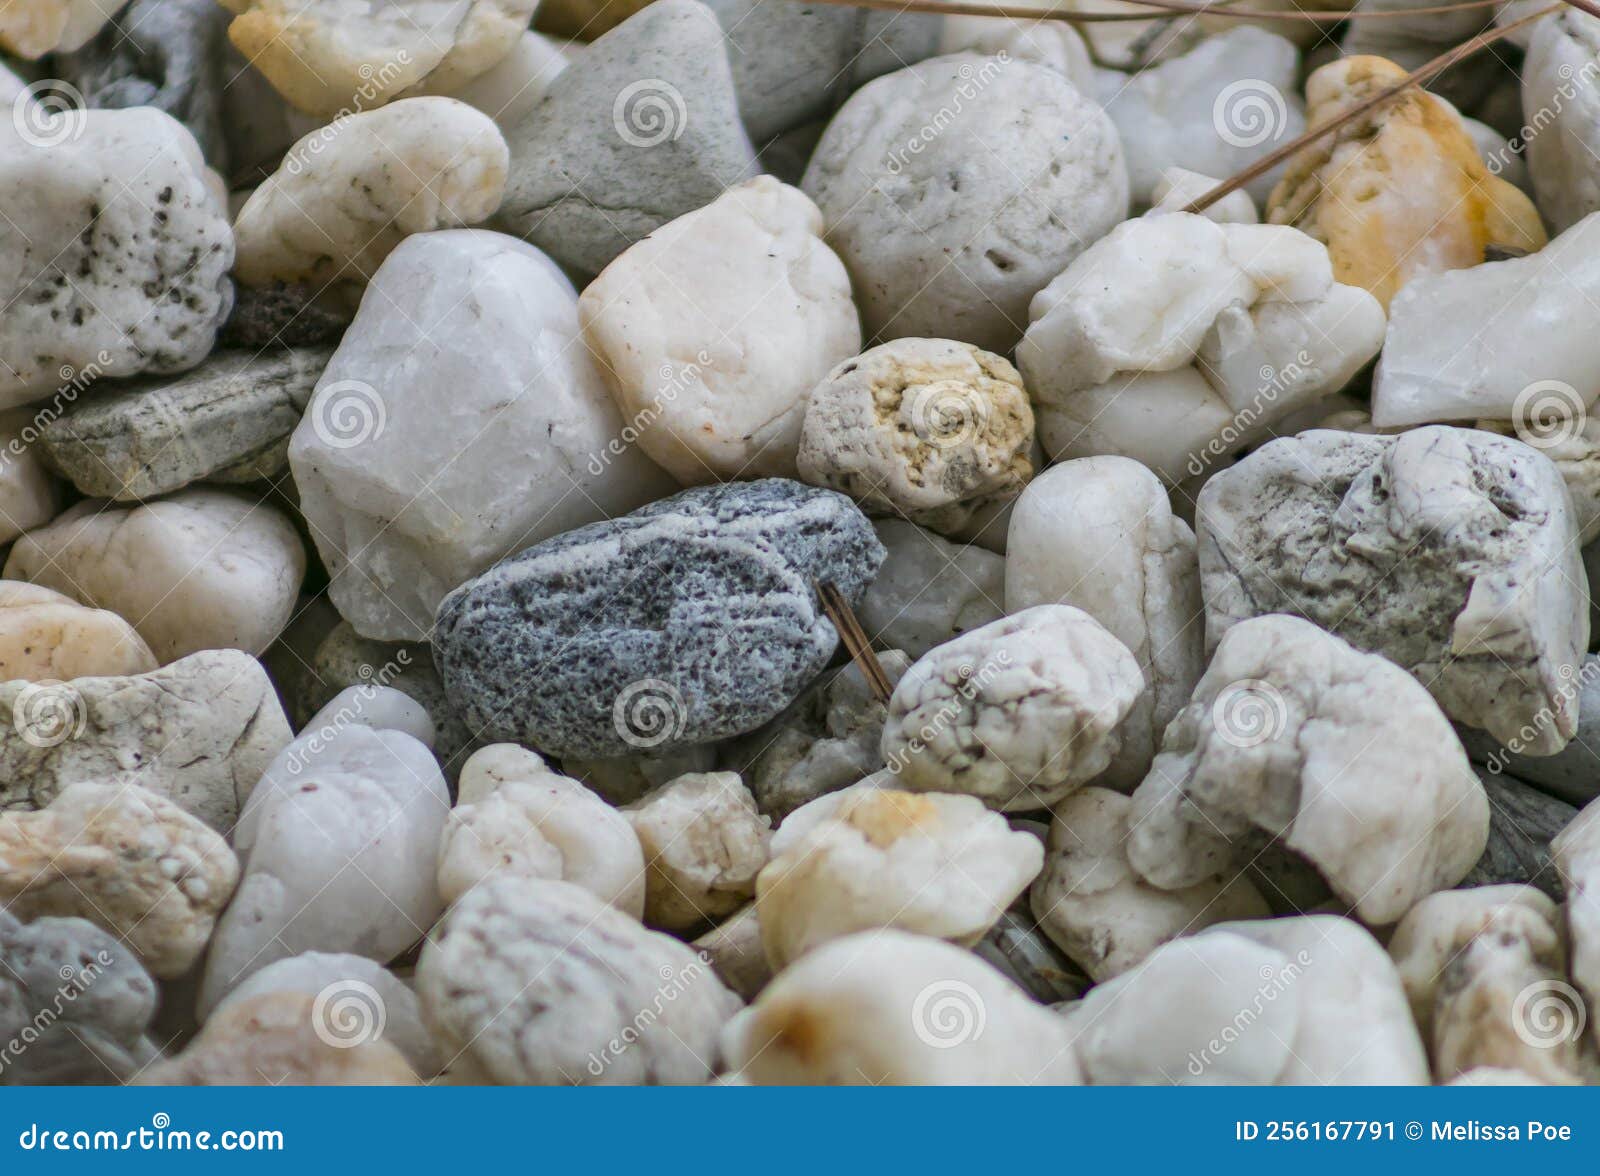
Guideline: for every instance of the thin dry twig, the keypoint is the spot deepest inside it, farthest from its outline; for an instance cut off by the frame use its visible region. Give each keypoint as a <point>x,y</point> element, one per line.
<point>1416,77</point>
<point>856,641</point>
<point>1162,8</point>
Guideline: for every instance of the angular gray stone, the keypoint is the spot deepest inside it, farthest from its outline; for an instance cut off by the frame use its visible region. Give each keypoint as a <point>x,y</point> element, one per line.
<point>1522,823</point>
<point>227,420</point>
<point>74,1005</point>
<point>795,62</point>
<point>162,53</point>
<point>199,732</point>
<point>641,129</point>
<point>694,618</point>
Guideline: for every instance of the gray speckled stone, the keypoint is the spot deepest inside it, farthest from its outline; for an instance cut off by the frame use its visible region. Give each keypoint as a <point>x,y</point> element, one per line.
<point>85,996</point>
<point>161,53</point>
<point>227,420</point>
<point>283,315</point>
<point>641,129</point>
<point>795,62</point>
<point>694,618</point>
<point>1522,823</point>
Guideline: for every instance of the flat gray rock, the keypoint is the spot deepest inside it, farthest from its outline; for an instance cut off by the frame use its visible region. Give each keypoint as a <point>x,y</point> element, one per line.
<point>227,420</point>
<point>162,53</point>
<point>641,129</point>
<point>692,619</point>
<point>83,999</point>
<point>1522,823</point>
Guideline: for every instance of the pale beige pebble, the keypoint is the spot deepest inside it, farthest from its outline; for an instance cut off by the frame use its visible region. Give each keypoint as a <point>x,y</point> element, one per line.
<point>129,861</point>
<point>888,1007</point>
<point>274,1040</point>
<point>1100,912</point>
<point>516,815</point>
<point>1472,962</point>
<point>32,28</point>
<point>47,636</point>
<point>927,429</point>
<point>348,193</point>
<point>737,957</point>
<point>1044,42</point>
<point>876,856</point>
<point>201,569</point>
<point>715,328</point>
<point>333,56</point>
<point>30,495</point>
<point>1576,854</point>
<point>1099,534</point>
<point>514,87</point>
<point>1018,713</point>
<point>1178,188</point>
<point>704,843</point>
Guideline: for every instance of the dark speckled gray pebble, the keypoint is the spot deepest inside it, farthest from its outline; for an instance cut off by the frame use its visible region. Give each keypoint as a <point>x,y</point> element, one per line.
<point>74,1005</point>
<point>161,53</point>
<point>692,619</point>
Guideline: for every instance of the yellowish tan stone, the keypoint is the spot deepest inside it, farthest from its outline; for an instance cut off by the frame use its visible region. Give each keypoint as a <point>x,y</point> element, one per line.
<point>1398,191</point>
<point>47,636</point>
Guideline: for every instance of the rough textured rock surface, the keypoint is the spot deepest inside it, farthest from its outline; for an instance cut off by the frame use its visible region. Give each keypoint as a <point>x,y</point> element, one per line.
<point>348,193</point>
<point>1452,552</point>
<point>45,636</point>
<point>1018,713</point>
<point>274,1040</point>
<point>715,329</point>
<point>949,234</point>
<point>227,420</point>
<point>464,358</point>
<point>203,569</point>
<point>1297,739</point>
<point>162,53</point>
<point>692,619</point>
<point>129,861</point>
<point>1098,534</point>
<point>533,982</point>
<point>94,1037</point>
<point>1399,191</point>
<point>199,732</point>
<point>928,429</point>
<point>118,261</point>
<point>644,129</point>
<point>704,843</point>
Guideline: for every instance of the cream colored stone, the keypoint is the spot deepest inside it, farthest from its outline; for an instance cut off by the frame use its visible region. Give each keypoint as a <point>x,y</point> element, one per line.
<point>30,495</point>
<point>929,429</point>
<point>1178,188</point>
<point>32,28</point>
<point>1100,912</point>
<point>1178,341</point>
<point>704,843</point>
<point>517,816</point>
<point>514,87</point>
<point>203,569</point>
<point>1576,854</point>
<point>129,861</point>
<point>873,857</point>
<point>348,193</point>
<point>1018,713</point>
<point>1472,961</point>
<point>47,636</point>
<point>885,1007</point>
<point>1400,191</point>
<point>716,327</point>
<point>333,56</point>
<point>276,1039</point>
